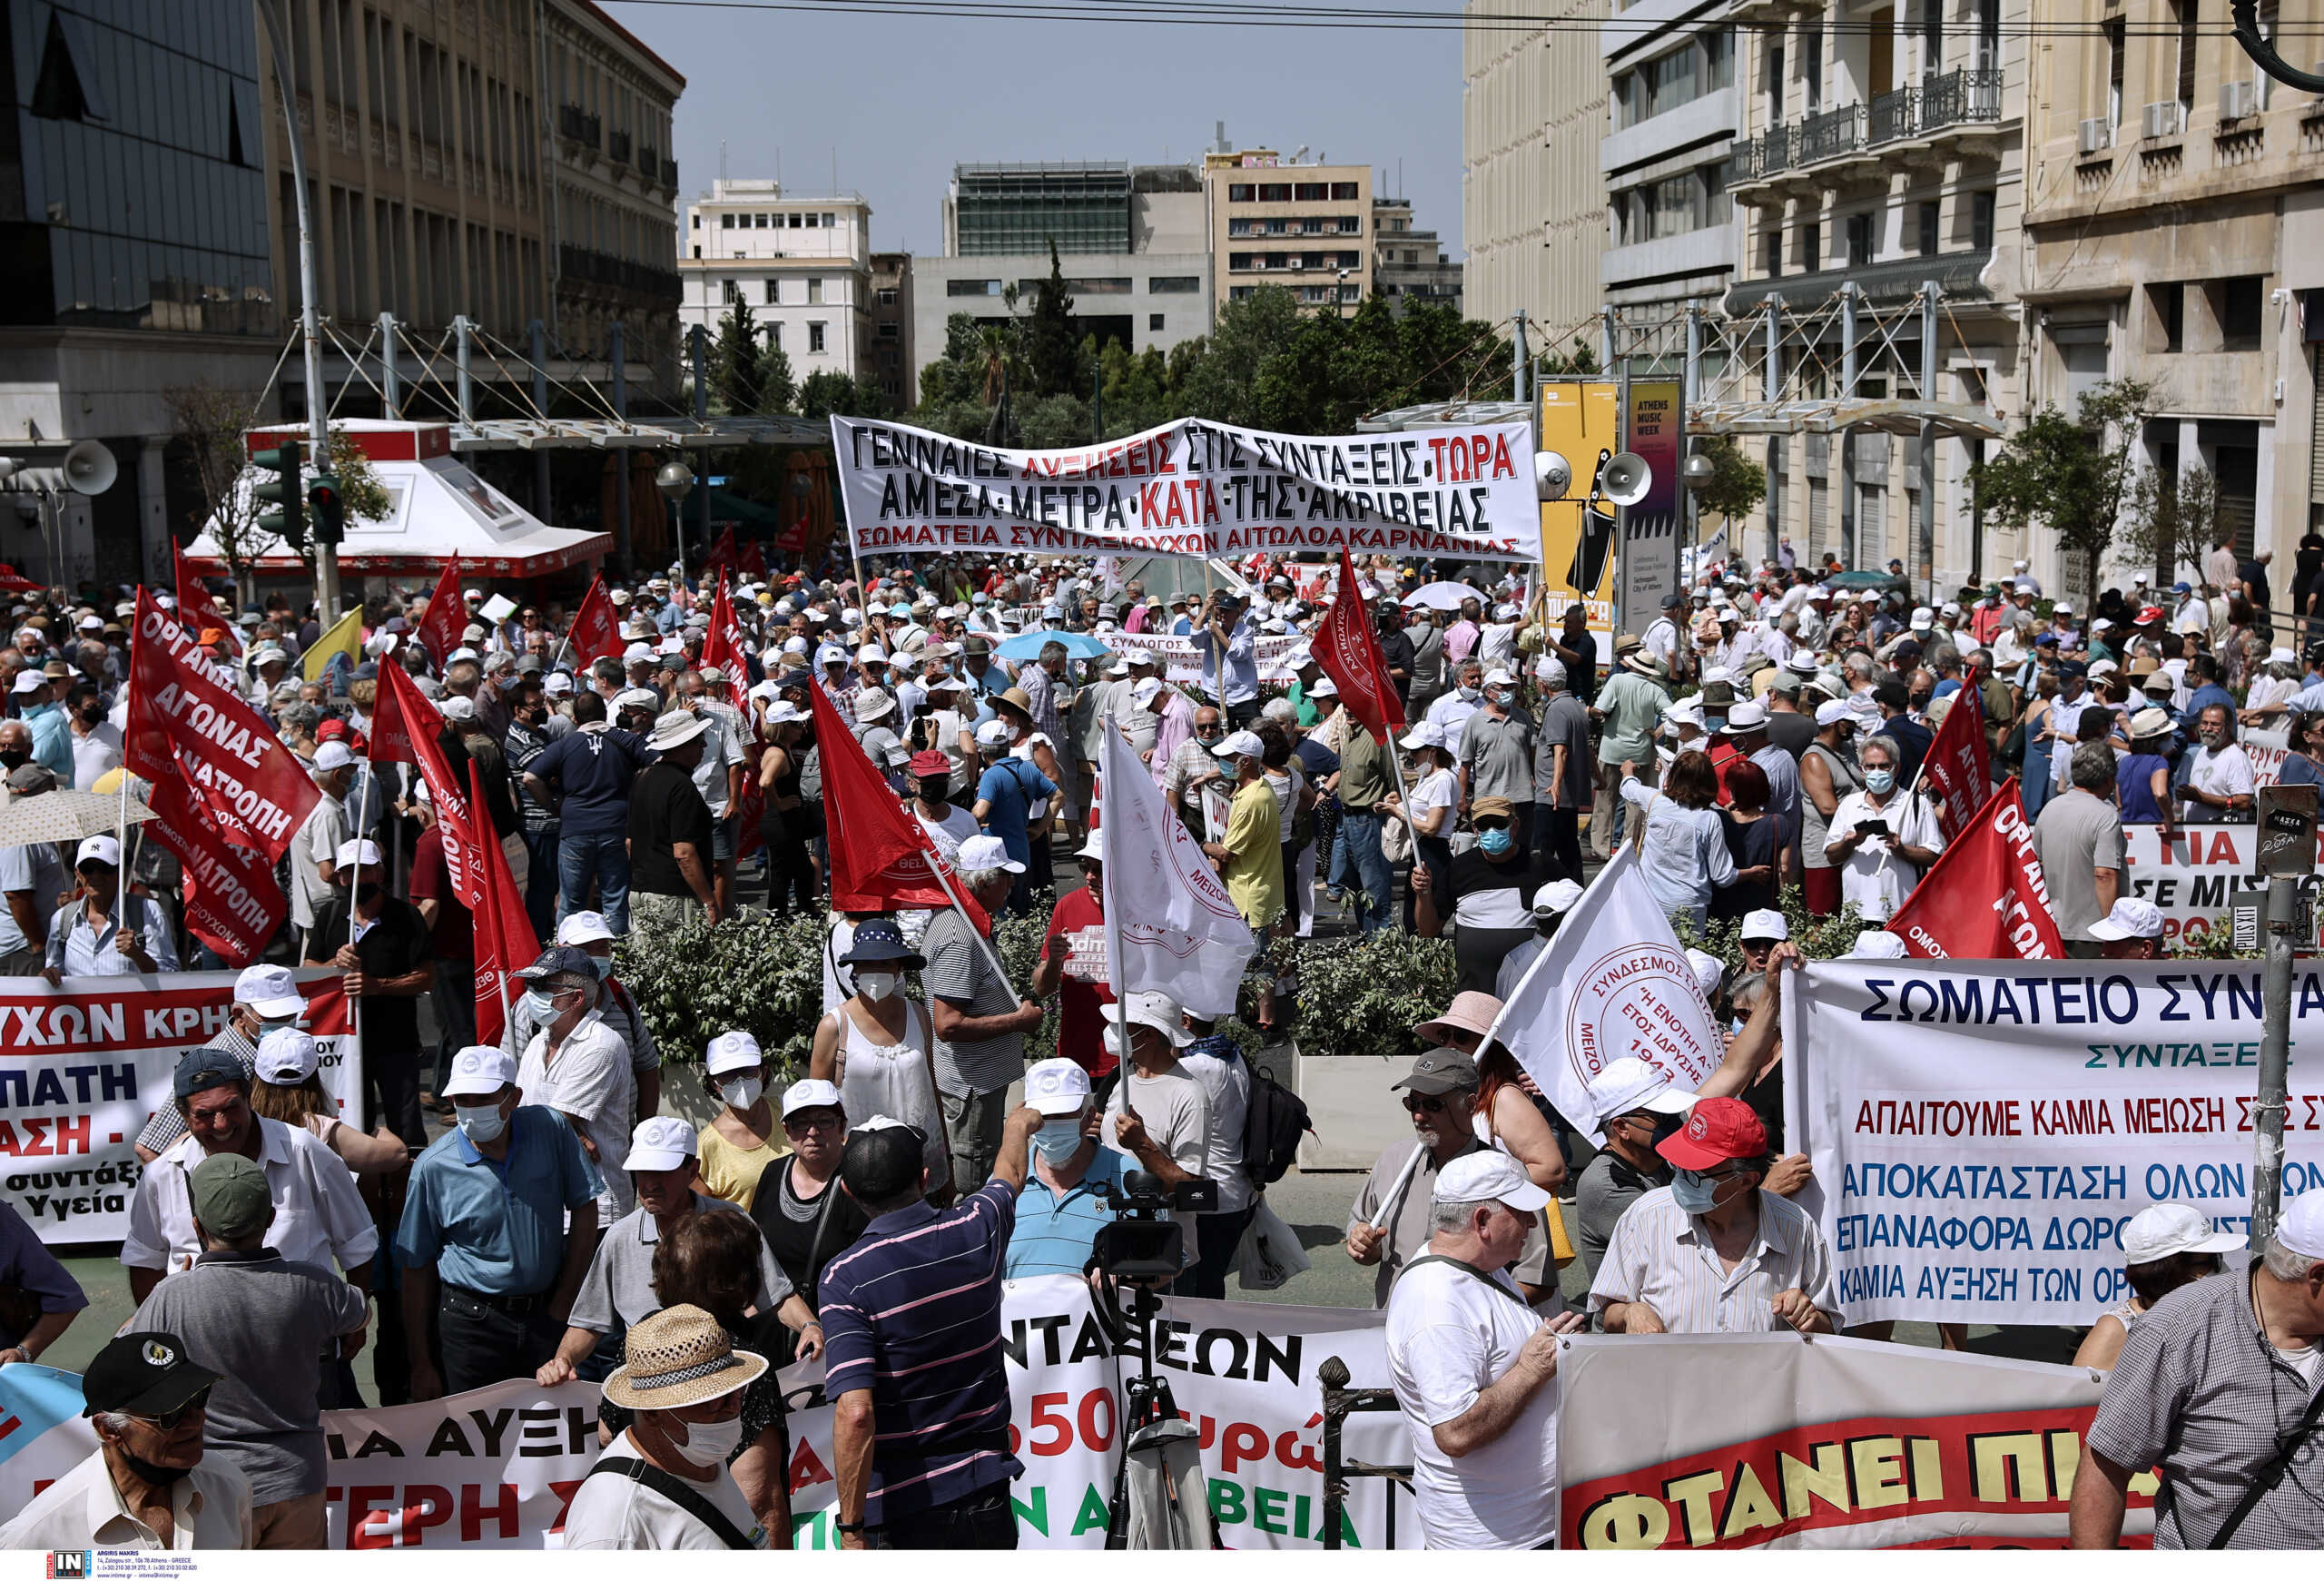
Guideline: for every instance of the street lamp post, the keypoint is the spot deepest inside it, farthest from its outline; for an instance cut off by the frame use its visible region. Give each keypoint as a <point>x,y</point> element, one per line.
<point>676,479</point>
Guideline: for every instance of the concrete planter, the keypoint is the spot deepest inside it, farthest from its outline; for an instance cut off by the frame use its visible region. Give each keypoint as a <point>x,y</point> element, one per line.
<point>1349,1103</point>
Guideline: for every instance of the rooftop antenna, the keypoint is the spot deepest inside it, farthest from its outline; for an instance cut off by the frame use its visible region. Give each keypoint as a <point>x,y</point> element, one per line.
<point>834,170</point>
<point>1221,146</point>
<point>722,159</point>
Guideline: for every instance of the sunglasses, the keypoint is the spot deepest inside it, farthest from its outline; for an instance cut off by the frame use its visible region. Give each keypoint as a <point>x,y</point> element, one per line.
<point>826,1121</point>
<point>1419,1105</point>
<point>1485,824</point>
<point>168,1421</point>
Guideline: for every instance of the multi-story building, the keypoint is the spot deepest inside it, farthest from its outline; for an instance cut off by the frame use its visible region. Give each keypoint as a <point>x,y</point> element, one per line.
<point>1671,230</point>
<point>892,363</point>
<point>609,221</point>
<point>2174,237</point>
<point>1532,202</point>
<point>1275,222</point>
<point>1408,263</point>
<point>1133,242</point>
<point>1881,151</point>
<point>803,264</point>
<point>133,177</point>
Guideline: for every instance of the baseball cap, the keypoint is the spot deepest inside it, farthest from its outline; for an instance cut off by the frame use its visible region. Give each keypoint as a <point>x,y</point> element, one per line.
<point>2299,1229</point>
<point>102,848</point>
<point>204,1067</point>
<point>2165,1230</point>
<point>1057,1087</point>
<point>931,761</point>
<point>1489,1175</point>
<point>559,960</point>
<point>1240,744</point>
<point>1441,1071</point>
<point>228,1193</point>
<point>1492,807</point>
<point>1630,1084</point>
<point>1876,944</point>
<point>662,1143</point>
<point>1146,690</point>
<point>479,1072</point>
<point>359,853</point>
<point>1556,899</point>
<point>2131,918</point>
<point>1708,970</point>
<point>984,853</point>
<point>459,708</point>
<point>332,754</point>
<point>271,991</point>
<point>1719,1130</point>
<point>582,928</point>
<point>145,1374</point>
<point>732,1051</point>
<point>286,1057</point>
<point>1765,925</point>
<point>808,1094</point>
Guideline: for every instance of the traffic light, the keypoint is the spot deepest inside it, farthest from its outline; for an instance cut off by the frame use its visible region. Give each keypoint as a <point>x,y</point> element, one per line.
<point>327,508</point>
<point>287,520</point>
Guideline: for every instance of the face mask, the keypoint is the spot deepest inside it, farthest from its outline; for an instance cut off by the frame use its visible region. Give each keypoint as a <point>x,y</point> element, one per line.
<point>709,1443</point>
<point>1059,1140</point>
<point>1498,698</point>
<point>480,1122</point>
<point>36,710</point>
<point>541,1004</point>
<point>603,965</point>
<point>934,787</point>
<point>1495,841</point>
<point>1694,1193</point>
<point>1879,781</point>
<point>154,1476</point>
<point>93,716</point>
<point>741,1091</point>
<point>15,758</point>
<point>1468,694</point>
<point>876,984</point>
<point>365,894</point>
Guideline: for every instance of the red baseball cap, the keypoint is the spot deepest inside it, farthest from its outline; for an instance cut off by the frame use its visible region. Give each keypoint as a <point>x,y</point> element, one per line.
<point>931,761</point>
<point>1719,1132</point>
<point>331,730</point>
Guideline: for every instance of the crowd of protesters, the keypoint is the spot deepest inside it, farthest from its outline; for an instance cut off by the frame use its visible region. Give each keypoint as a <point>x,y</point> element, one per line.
<point>526,1208</point>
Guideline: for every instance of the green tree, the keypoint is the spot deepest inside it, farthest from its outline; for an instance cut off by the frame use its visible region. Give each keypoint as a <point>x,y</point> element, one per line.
<point>1051,356</point>
<point>2077,475</point>
<point>828,394</point>
<point>737,374</point>
<point>1738,484</point>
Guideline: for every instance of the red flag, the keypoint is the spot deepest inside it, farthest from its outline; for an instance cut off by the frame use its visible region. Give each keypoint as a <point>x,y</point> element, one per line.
<point>407,729</point>
<point>505,941</point>
<point>440,629</point>
<point>1349,652</point>
<point>231,901</point>
<point>722,552</point>
<point>187,722</point>
<point>753,560</point>
<point>881,858</point>
<point>597,630</point>
<point>196,607</point>
<point>723,647</point>
<point>1958,763</point>
<point>1985,899</point>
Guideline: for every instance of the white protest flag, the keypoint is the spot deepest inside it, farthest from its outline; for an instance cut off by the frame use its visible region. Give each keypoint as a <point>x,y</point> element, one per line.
<point>1613,982</point>
<point>1170,927</point>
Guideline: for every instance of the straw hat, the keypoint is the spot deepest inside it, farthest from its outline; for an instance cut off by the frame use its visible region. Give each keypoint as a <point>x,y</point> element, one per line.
<point>680,1357</point>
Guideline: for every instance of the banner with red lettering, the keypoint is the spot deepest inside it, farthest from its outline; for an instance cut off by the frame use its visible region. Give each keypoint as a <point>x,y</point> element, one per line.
<point>2198,876</point>
<point>1838,1444</point>
<point>596,626</point>
<point>1349,651</point>
<point>233,903</point>
<point>1193,490</point>
<point>187,721</point>
<point>84,1065</point>
<point>1985,899</point>
<point>505,939</point>
<point>446,617</point>
<point>407,729</point>
<point>1958,763</point>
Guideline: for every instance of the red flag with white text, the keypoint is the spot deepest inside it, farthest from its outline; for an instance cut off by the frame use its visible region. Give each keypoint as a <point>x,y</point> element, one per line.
<point>196,610</point>
<point>231,901</point>
<point>596,626</point>
<point>1958,763</point>
<point>1346,645</point>
<point>505,939</point>
<point>439,628</point>
<point>407,729</point>
<point>881,858</point>
<point>1986,898</point>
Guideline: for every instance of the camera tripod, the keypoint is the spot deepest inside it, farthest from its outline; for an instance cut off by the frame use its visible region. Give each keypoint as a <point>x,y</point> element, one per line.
<point>1161,1495</point>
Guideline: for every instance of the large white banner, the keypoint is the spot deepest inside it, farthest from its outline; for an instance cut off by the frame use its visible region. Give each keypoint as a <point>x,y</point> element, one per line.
<point>1980,1132</point>
<point>1193,490</point>
<point>1182,664</point>
<point>1837,1443</point>
<point>2196,876</point>
<point>83,1065</point>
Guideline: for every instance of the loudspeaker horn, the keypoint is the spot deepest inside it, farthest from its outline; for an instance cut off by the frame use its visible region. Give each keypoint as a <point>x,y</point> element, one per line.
<point>1552,474</point>
<point>1625,478</point>
<point>90,468</point>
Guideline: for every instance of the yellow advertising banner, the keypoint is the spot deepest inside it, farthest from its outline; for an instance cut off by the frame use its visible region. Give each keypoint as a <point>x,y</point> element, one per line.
<point>1581,420</point>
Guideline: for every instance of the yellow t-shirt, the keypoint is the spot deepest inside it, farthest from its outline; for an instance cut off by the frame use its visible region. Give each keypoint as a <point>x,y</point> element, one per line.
<point>1255,855</point>
<point>733,1173</point>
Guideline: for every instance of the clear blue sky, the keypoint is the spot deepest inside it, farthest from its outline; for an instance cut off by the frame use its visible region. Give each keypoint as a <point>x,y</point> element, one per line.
<point>902,100</point>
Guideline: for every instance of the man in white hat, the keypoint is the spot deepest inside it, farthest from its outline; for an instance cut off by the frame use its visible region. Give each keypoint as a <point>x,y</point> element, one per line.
<point>1472,1364</point>
<point>1158,1118</point>
<point>671,834</point>
<point>391,965</point>
<point>664,1483</point>
<point>2132,930</point>
<point>266,999</point>
<point>979,1018</point>
<point>314,849</point>
<point>1551,904</point>
<point>102,932</point>
<point>1064,1202</point>
<point>1635,1108</point>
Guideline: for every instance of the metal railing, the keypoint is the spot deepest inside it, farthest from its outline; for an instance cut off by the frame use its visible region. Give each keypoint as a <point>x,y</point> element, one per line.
<point>1831,133</point>
<point>622,273</point>
<point>1891,117</point>
<point>1962,95</point>
<point>649,161</point>
<point>619,148</point>
<point>573,122</point>
<point>1756,158</point>
<point>1339,1402</point>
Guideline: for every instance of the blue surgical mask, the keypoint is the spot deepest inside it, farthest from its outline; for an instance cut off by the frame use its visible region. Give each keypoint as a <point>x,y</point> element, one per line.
<point>1059,1140</point>
<point>480,1122</point>
<point>541,1005</point>
<point>1495,841</point>
<point>603,965</point>
<point>1694,1193</point>
<point>1879,781</point>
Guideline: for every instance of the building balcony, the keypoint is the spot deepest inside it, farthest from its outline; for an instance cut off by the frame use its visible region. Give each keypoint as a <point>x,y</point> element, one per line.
<point>618,146</point>
<point>1759,163</point>
<point>1892,118</point>
<point>649,162</point>
<point>623,274</point>
<point>670,174</point>
<point>1831,135</point>
<point>575,123</point>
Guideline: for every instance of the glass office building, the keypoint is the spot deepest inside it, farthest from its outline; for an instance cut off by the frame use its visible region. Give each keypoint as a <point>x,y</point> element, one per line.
<point>1004,209</point>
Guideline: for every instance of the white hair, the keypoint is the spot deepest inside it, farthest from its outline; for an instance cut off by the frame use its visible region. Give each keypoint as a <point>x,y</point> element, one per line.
<point>2286,1264</point>
<point>1452,1218</point>
<point>1281,710</point>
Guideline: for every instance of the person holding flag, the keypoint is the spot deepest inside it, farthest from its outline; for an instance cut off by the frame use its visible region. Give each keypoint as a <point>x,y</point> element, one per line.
<point>1372,780</point>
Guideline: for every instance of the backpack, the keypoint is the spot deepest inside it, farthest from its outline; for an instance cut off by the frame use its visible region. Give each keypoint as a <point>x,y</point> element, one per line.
<point>1273,1123</point>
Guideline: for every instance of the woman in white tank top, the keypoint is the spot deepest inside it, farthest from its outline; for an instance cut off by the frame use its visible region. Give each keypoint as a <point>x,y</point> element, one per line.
<point>877,1047</point>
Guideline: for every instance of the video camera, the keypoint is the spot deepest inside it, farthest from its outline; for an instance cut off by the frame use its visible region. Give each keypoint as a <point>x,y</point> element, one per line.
<point>1143,1242</point>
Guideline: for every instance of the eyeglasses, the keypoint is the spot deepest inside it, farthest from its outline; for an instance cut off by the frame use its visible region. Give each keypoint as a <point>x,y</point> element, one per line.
<point>1416,1104</point>
<point>827,1120</point>
<point>168,1421</point>
<point>1485,823</point>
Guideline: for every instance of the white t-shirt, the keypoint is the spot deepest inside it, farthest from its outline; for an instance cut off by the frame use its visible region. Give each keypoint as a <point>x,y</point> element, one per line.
<point>614,1512</point>
<point>593,1081</point>
<point>1175,1112</point>
<point>2224,773</point>
<point>1227,1084</point>
<point>1448,1339</point>
<point>1876,887</point>
<point>1439,789</point>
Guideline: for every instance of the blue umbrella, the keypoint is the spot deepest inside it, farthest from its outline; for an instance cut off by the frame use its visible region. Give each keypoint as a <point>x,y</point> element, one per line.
<point>1029,644</point>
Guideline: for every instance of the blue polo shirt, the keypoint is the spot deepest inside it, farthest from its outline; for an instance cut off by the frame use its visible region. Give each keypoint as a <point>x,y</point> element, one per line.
<point>1011,786</point>
<point>496,1227</point>
<point>592,769</point>
<point>1055,1232</point>
<point>912,1311</point>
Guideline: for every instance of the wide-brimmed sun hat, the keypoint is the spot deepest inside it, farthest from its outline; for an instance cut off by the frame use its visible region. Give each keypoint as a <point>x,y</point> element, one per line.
<point>680,1357</point>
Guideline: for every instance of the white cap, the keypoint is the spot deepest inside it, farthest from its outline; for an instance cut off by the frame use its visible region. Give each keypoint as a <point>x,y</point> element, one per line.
<point>732,1051</point>
<point>329,755</point>
<point>1498,677</point>
<point>1632,1083</point>
<point>662,1143</point>
<point>636,653</point>
<point>556,684</point>
<point>359,853</point>
<point>286,1057</point>
<point>1877,944</point>
<point>1422,733</point>
<point>1093,849</point>
<point>2131,918</point>
<point>1489,1175</point>
<point>1057,1087</point>
<point>2168,1229</point>
<point>1324,687</point>
<point>1159,1011</point>
<point>811,1094</point>
<point>870,653</point>
<point>638,697</point>
<point>478,1070</point>
<point>984,853</point>
<point>2299,1229</point>
<point>1708,970</point>
<point>1144,692</point>
<point>582,928</point>
<point>1240,744</point>
<point>1764,923</point>
<point>102,848</point>
<point>2102,624</point>
<point>993,732</point>
<point>1556,899</point>
<point>457,708</point>
<point>31,680</point>
<point>271,991</point>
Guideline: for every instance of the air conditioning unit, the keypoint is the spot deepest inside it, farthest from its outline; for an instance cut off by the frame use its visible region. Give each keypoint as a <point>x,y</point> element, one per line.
<point>2160,118</point>
<point>2094,135</point>
<point>2238,100</point>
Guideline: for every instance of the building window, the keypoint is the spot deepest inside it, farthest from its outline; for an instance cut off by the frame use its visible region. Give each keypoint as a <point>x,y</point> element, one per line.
<point>1277,261</point>
<point>1239,261</point>
<point>2187,13</point>
<point>697,221</point>
<point>1276,227</point>
<point>796,221</point>
<point>1154,323</point>
<point>831,221</point>
<point>972,288</point>
<point>890,331</point>
<point>886,296</point>
<point>1174,284</point>
<point>2169,301</point>
<point>775,294</point>
<point>775,334</point>
<point>1238,192</point>
<point>1981,221</point>
<point>1343,192</point>
<point>1311,191</point>
<point>814,337</point>
<point>814,292</point>
<point>1811,247</point>
<point>758,222</point>
<point>809,221</point>
<point>725,222</point>
<point>1860,243</point>
<point>1771,252</point>
<point>1350,261</point>
<point>1239,292</point>
<point>1927,217</point>
<point>2239,314</point>
<point>1276,192</point>
<point>697,253</point>
<point>1238,227</point>
<point>2117,44</point>
<point>734,292</point>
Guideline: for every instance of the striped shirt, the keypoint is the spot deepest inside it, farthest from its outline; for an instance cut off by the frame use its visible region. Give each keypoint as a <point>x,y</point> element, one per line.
<point>912,1311</point>
<point>1660,1255</point>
